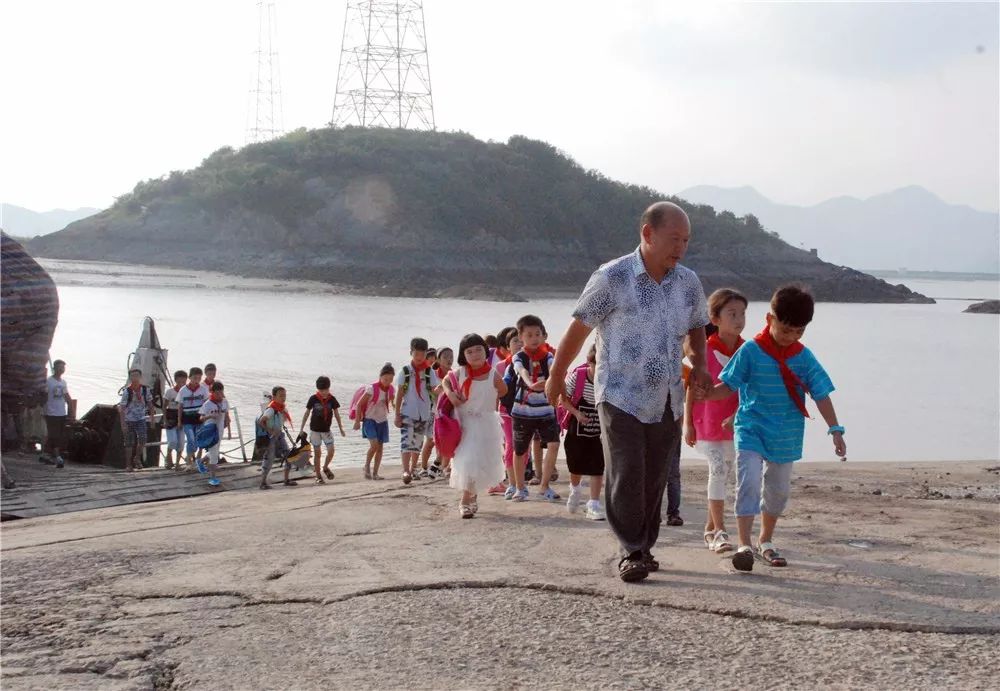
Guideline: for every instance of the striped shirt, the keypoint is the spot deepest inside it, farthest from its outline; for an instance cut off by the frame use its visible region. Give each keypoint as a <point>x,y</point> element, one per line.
<point>767,420</point>
<point>533,404</point>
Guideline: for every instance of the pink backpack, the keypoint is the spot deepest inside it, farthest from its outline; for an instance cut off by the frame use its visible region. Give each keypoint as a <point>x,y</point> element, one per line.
<point>447,428</point>
<point>356,414</point>
<point>562,414</point>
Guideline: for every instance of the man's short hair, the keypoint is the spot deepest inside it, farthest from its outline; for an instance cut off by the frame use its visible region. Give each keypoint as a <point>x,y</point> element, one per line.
<point>530,320</point>
<point>180,374</point>
<point>658,213</point>
<point>418,344</point>
<point>793,305</point>
<point>322,383</point>
<point>194,371</point>
<point>57,363</point>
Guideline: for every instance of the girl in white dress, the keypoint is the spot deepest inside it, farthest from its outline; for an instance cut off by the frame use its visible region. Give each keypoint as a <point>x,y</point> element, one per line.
<point>473,390</point>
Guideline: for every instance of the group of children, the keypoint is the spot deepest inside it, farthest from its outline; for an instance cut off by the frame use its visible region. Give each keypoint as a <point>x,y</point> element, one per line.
<point>510,433</point>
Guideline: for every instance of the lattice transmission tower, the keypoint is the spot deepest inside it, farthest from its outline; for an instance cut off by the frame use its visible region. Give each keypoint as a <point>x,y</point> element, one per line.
<point>264,116</point>
<point>384,76</point>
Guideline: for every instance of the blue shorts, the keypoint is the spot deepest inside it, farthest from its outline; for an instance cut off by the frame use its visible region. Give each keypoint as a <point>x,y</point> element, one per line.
<point>375,431</point>
<point>191,445</point>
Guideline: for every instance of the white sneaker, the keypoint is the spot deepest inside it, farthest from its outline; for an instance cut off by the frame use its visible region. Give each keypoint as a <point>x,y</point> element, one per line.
<point>594,511</point>
<point>574,500</point>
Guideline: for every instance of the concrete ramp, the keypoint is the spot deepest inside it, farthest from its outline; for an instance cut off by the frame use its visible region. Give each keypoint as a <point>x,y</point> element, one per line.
<point>43,490</point>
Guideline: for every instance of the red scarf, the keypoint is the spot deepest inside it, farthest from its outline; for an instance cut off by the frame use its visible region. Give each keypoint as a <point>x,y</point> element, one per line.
<point>502,353</point>
<point>417,371</point>
<point>538,356</point>
<point>279,408</point>
<point>208,382</point>
<point>193,387</point>
<point>216,397</point>
<point>323,398</point>
<point>471,374</point>
<point>715,342</point>
<point>178,387</point>
<point>781,355</point>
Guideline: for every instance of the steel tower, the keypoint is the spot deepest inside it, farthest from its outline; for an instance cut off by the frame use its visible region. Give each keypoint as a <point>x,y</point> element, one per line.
<point>264,117</point>
<point>384,76</point>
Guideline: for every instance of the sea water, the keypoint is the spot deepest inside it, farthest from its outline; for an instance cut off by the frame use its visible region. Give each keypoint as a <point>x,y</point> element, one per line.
<point>914,382</point>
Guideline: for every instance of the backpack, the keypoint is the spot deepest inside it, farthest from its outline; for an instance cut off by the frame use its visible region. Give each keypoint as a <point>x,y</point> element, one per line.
<point>515,384</point>
<point>354,414</point>
<point>407,372</point>
<point>447,428</point>
<point>144,390</point>
<point>562,414</point>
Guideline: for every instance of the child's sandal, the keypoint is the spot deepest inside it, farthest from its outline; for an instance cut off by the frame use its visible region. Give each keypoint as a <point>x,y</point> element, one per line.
<point>709,537</point>
<point>721,543</point>
<point>770,555</point>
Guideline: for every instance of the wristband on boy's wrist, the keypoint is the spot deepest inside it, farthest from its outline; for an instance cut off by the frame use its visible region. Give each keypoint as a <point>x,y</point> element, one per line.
<point>836,428</point>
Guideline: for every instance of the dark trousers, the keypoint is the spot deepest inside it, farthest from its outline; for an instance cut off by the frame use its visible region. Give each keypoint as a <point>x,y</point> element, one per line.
<point>637,458</point>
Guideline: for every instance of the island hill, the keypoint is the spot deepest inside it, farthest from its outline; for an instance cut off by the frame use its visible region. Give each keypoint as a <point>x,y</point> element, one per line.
<point>398,212</point>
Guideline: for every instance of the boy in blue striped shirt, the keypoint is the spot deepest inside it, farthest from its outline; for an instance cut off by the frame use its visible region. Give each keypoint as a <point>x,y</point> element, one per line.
<point>772,374</point>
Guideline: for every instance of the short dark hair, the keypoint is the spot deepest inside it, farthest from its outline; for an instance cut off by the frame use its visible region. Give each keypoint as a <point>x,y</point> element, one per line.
<point>722,297</point>
<point>418,344</point>
<point>793,305</point>
<point>211,366</point>
<point>275,390</point>
<point>530,320</point>
<point>432,352</point>
<point>179,374</point>
<point>217,386</point>
<point>387,368</point>
<point>194,370</point>
<point>503,335</point>
<point>491,341</point>
<point>57,363</point>
<point>470,341</point>
<point>592,353</point>
<point>322,383</point>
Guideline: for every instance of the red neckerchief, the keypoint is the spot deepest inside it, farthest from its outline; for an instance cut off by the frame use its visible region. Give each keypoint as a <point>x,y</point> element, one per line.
<point>542,353</point>
<point>417,371</point>
<point>471,374</point>
<point>178,387</point>
<point>323,398</point>
<point>194,387</point>
<point>279,408</point>
<point>502,353</point>
<point>213,398</point>
<point>715,342</point>
<point>781,355</point>
<point>208,382</point>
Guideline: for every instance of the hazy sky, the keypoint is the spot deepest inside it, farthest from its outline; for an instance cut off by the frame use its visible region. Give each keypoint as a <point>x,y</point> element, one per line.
<point>802,101</point>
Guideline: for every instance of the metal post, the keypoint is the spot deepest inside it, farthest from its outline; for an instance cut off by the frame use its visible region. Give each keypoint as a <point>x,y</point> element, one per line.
<point>239,433</point>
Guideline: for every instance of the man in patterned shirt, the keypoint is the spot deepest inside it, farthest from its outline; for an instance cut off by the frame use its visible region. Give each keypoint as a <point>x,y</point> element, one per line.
<point>642,306</point>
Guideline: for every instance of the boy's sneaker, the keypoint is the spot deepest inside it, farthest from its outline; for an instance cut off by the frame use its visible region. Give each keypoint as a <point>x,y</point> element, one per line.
<point>550,495</point>
<point>201,466</point>
<point>521,494</point>
<point>424,474</point>
<point>434,472</point>
<point>214,482</point>
<point>497,489</point>
<point>594,511</point>
<point>60,462</point>
<point>510,492</point>
<point>575,499</point>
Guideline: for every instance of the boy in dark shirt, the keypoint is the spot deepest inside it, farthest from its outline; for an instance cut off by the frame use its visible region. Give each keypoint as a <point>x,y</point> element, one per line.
<point>321,409</point>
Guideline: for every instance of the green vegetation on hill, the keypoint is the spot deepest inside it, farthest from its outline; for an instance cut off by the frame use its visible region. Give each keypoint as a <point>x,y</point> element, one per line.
<point>384,210</point>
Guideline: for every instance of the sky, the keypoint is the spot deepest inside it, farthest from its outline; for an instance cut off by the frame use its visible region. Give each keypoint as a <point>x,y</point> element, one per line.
<point>802,101</point>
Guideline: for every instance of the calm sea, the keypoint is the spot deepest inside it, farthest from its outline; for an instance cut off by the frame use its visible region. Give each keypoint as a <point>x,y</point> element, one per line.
<point>914,382</point>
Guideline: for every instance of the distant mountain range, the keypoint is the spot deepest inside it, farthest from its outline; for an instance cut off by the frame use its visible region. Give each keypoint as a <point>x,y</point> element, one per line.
<point>908,228</point>
<point>25,223</point>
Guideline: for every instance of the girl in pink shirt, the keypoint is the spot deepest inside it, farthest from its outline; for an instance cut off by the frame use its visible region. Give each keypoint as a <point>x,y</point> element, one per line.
<point>708,425</point>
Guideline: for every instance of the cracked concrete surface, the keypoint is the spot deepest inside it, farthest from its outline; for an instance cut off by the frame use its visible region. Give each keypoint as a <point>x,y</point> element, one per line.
<point>373,585</point>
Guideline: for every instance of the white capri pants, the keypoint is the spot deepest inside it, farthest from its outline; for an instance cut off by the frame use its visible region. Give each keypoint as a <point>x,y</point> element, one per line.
<point>721,457</point>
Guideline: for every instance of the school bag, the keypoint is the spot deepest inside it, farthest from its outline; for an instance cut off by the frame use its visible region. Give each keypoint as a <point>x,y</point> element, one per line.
<point>562,414</point>
<point>354,414</point>
<point>407,375</point>
<point>447,428</point>
<point>510,379</point>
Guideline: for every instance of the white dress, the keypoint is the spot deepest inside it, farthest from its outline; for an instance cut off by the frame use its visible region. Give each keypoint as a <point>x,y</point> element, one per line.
<point>477,465</point>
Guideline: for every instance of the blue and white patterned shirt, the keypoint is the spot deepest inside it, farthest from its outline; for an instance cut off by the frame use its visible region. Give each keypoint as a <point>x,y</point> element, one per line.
<point>641,327</point>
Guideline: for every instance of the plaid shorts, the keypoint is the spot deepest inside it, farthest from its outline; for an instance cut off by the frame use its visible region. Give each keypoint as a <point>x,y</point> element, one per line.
<point>135,433</point>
